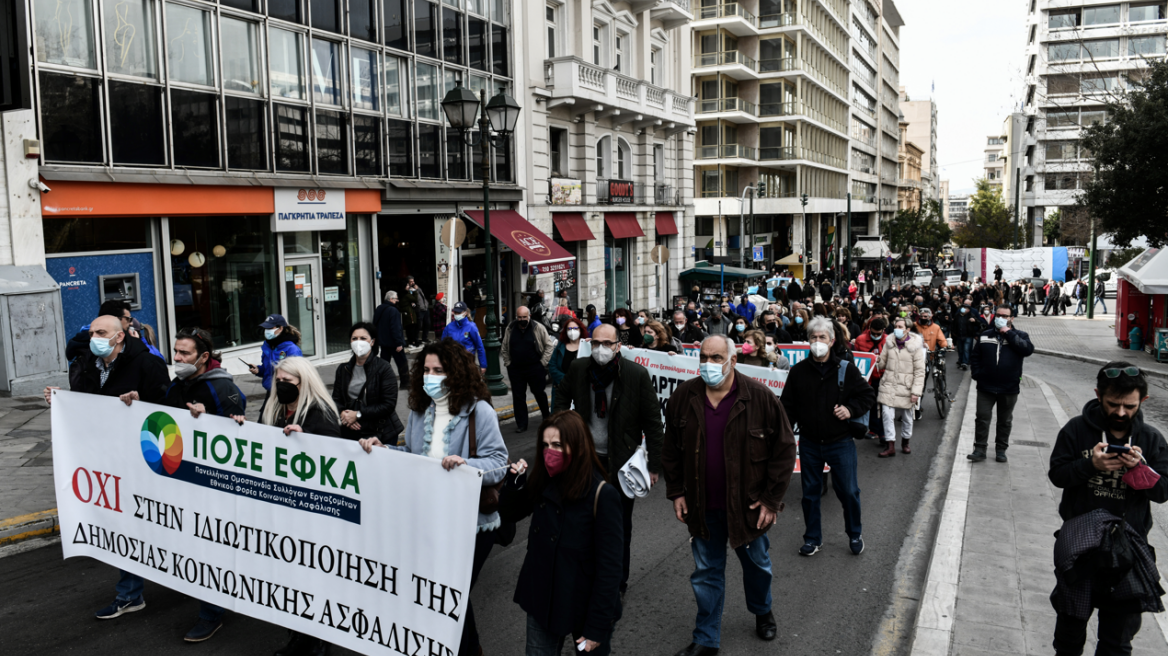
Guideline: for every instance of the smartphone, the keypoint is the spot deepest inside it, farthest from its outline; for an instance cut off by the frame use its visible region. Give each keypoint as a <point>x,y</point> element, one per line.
<point>248,365</point>
<point>1118,448</point>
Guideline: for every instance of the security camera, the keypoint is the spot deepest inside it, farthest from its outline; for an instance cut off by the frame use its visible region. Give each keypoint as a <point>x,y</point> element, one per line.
<point>37,184</point>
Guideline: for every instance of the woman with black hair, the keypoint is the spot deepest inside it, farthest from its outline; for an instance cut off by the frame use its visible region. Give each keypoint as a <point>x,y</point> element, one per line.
<point>624,328</point>
<point>365,390</point>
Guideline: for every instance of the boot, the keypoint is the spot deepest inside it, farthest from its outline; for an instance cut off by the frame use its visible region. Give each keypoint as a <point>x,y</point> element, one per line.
<point>904,448</point>
<point>889,451</point>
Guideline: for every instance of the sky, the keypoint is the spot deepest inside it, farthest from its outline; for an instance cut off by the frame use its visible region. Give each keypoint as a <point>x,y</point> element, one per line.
<point>974,53</point>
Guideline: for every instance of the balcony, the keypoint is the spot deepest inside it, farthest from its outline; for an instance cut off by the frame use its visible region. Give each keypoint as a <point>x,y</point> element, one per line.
<point>731,63</point>
<point>672,13</point>
<point>730,16</point>
<point>586,88</point>
<point>735,110</point>
<point>780,65</point>
<point>731,154</point>
<point>797,109</point>
<point>776,23</point>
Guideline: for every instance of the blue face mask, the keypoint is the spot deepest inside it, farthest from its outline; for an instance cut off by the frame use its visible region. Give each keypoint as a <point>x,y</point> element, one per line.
<point>712,373</point>
<point>434,386</point>
<point>964,310</point>
<point>798,319</point>
<point>740,327</point>
<point>270,334</point>
<point>101,347</point>
<point>899,332</point>
<point>1001,322</point>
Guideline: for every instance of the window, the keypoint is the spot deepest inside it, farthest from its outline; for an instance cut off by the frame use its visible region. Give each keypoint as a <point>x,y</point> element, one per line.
<point>361,20</point>
<point>1062,84</point>
<point>425,28</point>
<point>1090,116</point>
<point>332,143</point>
<point>326,72</point>
<point>655,66</point>
<point>129,38</point>
<point>659,163</point>
<point>367,144</point>
<point>427,93</point>
<point>194,120</point>
<point>550,14</point>
<point>476,31</point>
<point>1060,150</point>
<point>326,15</point>
<point>476,7</point>
<point>429,145</point>
<point>620,40</point>
<point>1063,119</point>
<point>394,15</point>
<point>364,85</point>
<point>291,138</point>
<point>558,145</point>
<point>95,234</point>
<point>455,155</point>
<point>241,56</point>
<point>288,10</point>
<point>246,127</point>
<point>396,79</point>
<point>399,155</point>
<point>1105,15</point>
<point>1143,46</point>
<point>596,49</point>
<point>1101,49</point>
<point>64,32</point>
<point>992,157</point>
<point>286,63</point>
<point>1063,18</point>
<point>499,50</point>
<point>503,160</point>
<point>136,123</point>
<point>624,160</point>
<point>1063,51</point>
<point>452,36</point>
<point>1097,82</point>
<point>603,157</point>
<point>189,44</point>
<point>1145,12</point>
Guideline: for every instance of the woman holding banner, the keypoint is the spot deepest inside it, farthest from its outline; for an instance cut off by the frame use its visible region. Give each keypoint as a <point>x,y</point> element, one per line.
<point>661,339</point>
<point>451,419</point>
<point>570,580</point>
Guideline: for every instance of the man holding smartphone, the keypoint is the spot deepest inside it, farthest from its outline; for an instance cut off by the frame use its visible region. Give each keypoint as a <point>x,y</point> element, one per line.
<point>1093,453</point>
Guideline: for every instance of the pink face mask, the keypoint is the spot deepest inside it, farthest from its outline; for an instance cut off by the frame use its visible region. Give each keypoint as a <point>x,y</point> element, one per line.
<point>556,461</point>
<point>747,348</point>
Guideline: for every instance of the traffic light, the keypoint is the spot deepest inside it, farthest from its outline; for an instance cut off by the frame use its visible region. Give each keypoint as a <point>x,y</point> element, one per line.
<point>803,199</point>
<point>761,191</point>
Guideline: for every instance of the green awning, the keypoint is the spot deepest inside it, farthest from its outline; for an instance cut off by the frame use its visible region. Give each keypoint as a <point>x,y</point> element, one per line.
<point>714,272</point>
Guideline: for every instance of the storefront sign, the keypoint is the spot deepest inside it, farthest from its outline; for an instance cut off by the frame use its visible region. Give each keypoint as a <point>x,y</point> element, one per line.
<point>620,192</point>
<point>300,209</point>
<point>566,191</point>
<point>296,530</point>
<point>552,268</point>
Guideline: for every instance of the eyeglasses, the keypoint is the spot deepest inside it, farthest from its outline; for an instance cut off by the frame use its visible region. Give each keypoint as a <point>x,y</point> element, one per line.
<point>605,344</point>
<point>1128,371</point>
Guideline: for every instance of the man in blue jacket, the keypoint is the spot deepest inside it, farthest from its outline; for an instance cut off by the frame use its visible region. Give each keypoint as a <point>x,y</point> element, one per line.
<point>463,330</point>
<point>996,365</point>
<point>745,309</point>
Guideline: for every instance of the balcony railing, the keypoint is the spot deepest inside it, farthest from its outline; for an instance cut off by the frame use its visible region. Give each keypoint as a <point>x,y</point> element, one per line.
<point>797,152</point>
<point>789,18</point>
<point>797,108</point>
<point>779,153</point>
<point>719,105</point>
<point>730,57</point>
<point>777,65</point>
<point>784,19</point>
<point>643,194</point>
<point>727,151</point>
<point>789,108</point>
<point>572,77</point>
<point>728,10</point>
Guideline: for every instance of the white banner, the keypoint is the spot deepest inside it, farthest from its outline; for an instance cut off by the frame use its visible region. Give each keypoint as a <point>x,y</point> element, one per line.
<point>795,353</point>
<point>371,552</point>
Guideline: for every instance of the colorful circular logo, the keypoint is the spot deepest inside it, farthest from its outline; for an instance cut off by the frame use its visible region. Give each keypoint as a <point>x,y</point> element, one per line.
<point>162,445</point>
<point>531,242</point>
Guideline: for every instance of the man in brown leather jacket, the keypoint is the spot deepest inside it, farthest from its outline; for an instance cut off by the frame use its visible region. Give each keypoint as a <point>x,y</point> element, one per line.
<point>727,458</point>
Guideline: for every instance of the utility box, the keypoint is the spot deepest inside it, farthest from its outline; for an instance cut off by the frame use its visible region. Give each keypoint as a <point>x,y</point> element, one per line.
<point>32,338</point>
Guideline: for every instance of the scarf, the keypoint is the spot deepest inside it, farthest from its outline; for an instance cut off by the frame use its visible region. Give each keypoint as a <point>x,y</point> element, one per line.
<point>901,342</point>
<point>602,376</point>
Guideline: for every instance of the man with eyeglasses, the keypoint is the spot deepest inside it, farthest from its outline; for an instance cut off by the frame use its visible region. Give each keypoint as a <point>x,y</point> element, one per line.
<point>1091,461</point>
<point>996,365</point>
<point>616,398</point>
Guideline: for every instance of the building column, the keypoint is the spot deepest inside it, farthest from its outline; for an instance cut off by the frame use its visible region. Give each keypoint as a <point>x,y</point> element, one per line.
<point>22,238</point>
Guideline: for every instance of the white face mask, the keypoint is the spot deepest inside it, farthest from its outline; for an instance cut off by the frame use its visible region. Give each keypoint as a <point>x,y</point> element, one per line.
<point>184,370</point>
<point>602,355</point>
<point>770,348</point>
<point>680,326</point>
<point>361,348</point>
<point>460,316</point>
<point>818,349</point>
<point>573,334</point>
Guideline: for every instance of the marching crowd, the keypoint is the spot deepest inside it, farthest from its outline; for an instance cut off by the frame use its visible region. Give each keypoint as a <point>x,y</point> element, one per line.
<point>725,445</point>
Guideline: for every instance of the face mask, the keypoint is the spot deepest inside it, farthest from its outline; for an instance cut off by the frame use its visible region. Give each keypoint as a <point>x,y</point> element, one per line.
<point>925,322</point>
<point>713,373</point>
<point>101,347</point>
<point>522,323</point>
<point>573,334</point>
<point>680,326</point>
<point>286,392</point>
<point>602,355</point>
<point>877,335</point>
<point>1001,322</point>
<point>270,334</point>
<point>555,327</point>
<point>649,339</point>
<point>747,348</point>
<point>640,321</point>
<point>361,348</point>
<point>798,319</point>
<point>184,370</point>
<point>459,316</point>
<point>434,386</point>
<point>899,332</point>
<point>620,321</point>
<point>904,314</point>
<point>740,327</point>
<point>770,348</point>
<point>556,461</point>
<point>964,310</point>
<point>818,349</point>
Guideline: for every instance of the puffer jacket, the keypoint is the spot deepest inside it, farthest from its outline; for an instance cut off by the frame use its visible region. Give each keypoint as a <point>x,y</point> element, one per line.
<point>903,372</point>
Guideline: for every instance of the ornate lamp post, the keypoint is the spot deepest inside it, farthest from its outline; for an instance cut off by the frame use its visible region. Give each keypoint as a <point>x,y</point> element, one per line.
<point>500,115</point>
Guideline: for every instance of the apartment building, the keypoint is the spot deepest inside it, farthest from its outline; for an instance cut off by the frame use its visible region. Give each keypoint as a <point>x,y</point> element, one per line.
<point>943,199</point>
<point>609,173</point>
<point>994,159</point>
<point>921,116</point>
<point>1017,171</point>
<point>957,210</point>
<point>1078,55</point>
<point>797,99</point>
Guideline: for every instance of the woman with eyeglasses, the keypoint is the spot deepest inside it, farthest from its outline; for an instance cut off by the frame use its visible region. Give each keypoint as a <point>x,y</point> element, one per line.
<point>565,354</point>
<point>365,390</point>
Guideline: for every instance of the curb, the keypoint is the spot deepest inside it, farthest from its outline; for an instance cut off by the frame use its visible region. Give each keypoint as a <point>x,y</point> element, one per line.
<point>1096,361</point>
<point>27,527</point>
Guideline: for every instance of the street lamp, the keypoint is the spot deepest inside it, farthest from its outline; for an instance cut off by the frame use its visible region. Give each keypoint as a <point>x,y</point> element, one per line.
<point>500,115</point>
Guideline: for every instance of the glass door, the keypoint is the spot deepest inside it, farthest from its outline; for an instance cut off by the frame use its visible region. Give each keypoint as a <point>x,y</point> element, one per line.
<point>304,297</point>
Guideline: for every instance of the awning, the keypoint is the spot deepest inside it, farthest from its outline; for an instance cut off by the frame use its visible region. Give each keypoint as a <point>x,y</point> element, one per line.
<point>1148,272</point>
<point>665,224</point>
<point>714,272</point>
<point>572,226</point>
<point>623,225</point>
<point>871,249</point>
<point>520,236</point>
<point>793,260</point>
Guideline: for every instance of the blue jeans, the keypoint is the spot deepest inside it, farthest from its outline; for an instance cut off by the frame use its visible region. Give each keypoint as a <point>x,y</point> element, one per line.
<point>129,586</point>
<point>541,642</point>
<point>709,577</point>
<point>210,612</point>
<point>1079,309</point>
<point>966,349</point>
<point>841,456</point>
<point>1099,300</point>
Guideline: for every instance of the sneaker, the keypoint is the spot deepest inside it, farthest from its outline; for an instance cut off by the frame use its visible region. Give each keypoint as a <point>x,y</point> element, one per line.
<point>977,456</point>
<point>809,548</point>
<point>1001,457</point>
<point>857,545</point>
<point>203,630</point>
<point>119,608</point>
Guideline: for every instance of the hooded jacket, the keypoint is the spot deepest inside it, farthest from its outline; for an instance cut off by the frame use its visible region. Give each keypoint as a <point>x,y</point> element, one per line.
<point>996,360</point>
<point>465,332</point>
<point>273,351</point>
<point>1086,488</point>
<point>214,388</point>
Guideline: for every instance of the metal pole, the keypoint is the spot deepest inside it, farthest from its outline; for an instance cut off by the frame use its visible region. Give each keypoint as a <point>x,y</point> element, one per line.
<point>492,343</point>
<point>752,195</point>
<point>1017,193</point>
<point>1091,276</point>
<point>742,231</point>
<point>848,234</point>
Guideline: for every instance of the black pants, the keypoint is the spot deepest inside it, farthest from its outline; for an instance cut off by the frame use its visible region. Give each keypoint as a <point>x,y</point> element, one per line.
<point>875,424</point>
<point>981,427</point>
<point>627,507</point>
<point>403,367</point>
<point>470,633</point>
<point>412,333</point>
<point>1116,631</point>
<point>522,377</point>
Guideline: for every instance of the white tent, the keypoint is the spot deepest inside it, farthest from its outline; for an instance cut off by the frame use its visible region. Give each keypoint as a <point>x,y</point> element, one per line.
<point>1148,272</point>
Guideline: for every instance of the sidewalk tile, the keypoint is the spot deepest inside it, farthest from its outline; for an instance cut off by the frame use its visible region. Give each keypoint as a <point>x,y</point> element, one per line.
<point>1038,643</point>
<point>989,593</point>
<point>1039,621</point>
<point>988,637</point>
<point>1009,617</point>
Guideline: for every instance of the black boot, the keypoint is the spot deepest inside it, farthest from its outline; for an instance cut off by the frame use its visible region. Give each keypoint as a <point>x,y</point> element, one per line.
<point>765,626</point>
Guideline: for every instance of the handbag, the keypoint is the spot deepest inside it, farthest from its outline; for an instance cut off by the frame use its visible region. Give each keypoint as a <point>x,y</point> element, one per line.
<point>857,426</point>
<point>489,495</point>
<point>1141,477</point>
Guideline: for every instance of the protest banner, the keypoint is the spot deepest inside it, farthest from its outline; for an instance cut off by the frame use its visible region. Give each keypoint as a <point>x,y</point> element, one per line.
<point>797,352</point>
<point>371,552</point>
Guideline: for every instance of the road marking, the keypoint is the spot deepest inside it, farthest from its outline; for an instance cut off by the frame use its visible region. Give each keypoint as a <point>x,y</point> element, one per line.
<point>19,529</point>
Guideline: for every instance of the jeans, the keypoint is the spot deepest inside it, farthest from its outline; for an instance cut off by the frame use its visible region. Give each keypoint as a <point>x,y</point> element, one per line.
<point>210,612</point>
<point>981,428</point>
<point>1079,309</point>
<point>891,414</point>
<point>627,507</point>
<point>540,642</point>
<point>841,456</point>
<point>1116,631</point>
<point>875,425</point>
<point>470,635</point>
<point>129,586</point>
<point>522,377</point>
<point>1099,300</point>
<point>963,354</point>
<point>709,577</point>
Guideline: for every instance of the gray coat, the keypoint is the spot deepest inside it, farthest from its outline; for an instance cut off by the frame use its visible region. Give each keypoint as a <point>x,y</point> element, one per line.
<point>491,451</point>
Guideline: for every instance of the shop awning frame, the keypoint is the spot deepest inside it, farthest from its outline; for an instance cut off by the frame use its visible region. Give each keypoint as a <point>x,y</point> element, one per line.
<point>623,225</point>
<point>715,272</point>
<point>665,223</point>
<point>572,226</point>
<point>509,227</point>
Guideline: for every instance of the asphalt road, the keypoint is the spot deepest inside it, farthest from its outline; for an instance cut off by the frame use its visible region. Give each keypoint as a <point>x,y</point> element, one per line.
<point>828,604</point>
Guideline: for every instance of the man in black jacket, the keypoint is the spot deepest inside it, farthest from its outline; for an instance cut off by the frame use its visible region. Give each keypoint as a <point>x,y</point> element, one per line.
<point>526,350</point>
<point>816,401</point>
<point>966,328</point>
<point>996,365</point>
<point>1091,478</point>
<point>388,321</point>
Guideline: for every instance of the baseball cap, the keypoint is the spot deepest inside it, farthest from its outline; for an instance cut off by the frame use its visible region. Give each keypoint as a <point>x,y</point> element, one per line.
<point>459,307</point>
<point>273,321</point>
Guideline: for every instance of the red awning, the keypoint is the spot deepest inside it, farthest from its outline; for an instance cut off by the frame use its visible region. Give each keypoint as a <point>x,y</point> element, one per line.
<point>665,224</point>
<point>623,225</point>
<point>520,236</point>
<point>572,226</point>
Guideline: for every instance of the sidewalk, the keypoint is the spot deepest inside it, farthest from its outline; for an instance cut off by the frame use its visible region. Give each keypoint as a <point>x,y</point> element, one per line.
<point>992,572</point>
<point>1089,340</point>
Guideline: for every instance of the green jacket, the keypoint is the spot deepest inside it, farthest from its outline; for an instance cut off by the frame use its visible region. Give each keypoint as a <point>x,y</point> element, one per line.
<point>634,411</point>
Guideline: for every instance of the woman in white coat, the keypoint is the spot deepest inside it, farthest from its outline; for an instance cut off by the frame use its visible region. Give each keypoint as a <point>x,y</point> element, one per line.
<point>903,362</point>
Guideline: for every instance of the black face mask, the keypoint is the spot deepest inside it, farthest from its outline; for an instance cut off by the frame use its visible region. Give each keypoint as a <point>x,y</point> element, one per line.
<point>286,392</point>
<point>522,323</point>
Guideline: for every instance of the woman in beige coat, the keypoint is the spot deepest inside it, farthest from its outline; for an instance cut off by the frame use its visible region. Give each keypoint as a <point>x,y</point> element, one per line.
<point>903,362</point>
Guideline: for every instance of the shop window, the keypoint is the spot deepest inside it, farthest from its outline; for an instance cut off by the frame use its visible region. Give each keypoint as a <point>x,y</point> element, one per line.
<point>84,235</point>
<point>396,72</point>
<point>477,43</point>
<point>394,15</point>
<point>367,145</point>
<point>189,46</point>
<point>362,24</point>
<point>325,15</point>
<point>245,134</point>
<point>129,38</point>
<point>291,138</point>
<point>427,93</point>
<point>364,84</point>
<point>70,118</point>
<point>287,64</point>
<point>194,123</point>
<point>455,155</point>
<point>241,56</point>
<point>429,143</point>
<point>499,50</point>
<point>64,33</point>
<point>326,72</point>
<point>136,123</point>
<point>228,294</point>
<point>452,36</point>
<point>301,243</point>
<point>400,136</point>
<point>425,28</point>
<point>332,143</point>
<point>288,10</point>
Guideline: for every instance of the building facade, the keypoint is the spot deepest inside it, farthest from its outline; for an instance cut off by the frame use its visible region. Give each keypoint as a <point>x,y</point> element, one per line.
<point>1079,54</point>
<point>944,199</point>
<point>994,160</point>
<point>921,116</point>
<point>911,190</point>
<point>957,210</point>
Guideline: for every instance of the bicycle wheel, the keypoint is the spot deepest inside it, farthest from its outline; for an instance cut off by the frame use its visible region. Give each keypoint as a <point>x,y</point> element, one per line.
<point>941,394</point>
